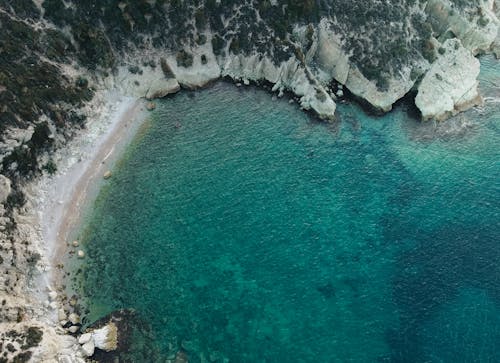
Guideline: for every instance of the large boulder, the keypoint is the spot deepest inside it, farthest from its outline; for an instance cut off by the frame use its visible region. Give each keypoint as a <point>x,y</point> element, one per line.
<point>106,338</point>
<point>291,75</point>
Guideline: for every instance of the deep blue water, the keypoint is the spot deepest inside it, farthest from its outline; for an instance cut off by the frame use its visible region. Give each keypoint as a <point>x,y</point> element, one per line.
<point>239,227</point>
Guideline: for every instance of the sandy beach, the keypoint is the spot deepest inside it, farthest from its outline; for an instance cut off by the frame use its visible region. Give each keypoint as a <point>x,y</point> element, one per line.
<point>59,200</point>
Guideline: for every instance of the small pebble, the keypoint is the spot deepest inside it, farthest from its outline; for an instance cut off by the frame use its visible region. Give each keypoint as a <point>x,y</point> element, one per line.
<point>107,175</point>
<point>81,254</point>
<point>75,243</point>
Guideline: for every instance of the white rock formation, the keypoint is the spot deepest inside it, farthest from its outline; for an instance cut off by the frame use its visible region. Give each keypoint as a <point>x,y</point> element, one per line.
<point>362,87</point>
<point>73,329</point>
<point>61,315</point>
<point>199,74</point>
<point>106,338</point>
<point>333,62</point>
<point>451,83</point>
<point>290,75</point>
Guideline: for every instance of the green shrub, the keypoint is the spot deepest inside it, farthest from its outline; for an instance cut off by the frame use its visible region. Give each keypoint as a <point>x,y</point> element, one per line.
<point>50,167</point>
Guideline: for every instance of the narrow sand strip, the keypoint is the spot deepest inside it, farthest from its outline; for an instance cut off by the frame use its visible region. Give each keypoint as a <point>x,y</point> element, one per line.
<point>64,195</point>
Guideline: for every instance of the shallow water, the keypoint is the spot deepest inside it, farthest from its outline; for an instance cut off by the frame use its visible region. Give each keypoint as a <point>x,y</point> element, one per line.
<point>239,227</point>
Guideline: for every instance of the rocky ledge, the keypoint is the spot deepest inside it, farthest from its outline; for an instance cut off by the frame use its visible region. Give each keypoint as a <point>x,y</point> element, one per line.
<point>450,85</point>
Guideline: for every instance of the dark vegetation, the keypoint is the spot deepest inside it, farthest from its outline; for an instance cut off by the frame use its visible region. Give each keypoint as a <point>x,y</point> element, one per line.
<point>381,36</point>
<point>27,339</point>
<point>32,87</point>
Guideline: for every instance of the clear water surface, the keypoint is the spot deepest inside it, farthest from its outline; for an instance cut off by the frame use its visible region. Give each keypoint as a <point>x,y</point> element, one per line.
<point>238,227</point>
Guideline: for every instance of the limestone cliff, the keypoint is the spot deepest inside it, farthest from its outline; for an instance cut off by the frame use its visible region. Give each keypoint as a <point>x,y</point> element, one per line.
<point>451,84</point>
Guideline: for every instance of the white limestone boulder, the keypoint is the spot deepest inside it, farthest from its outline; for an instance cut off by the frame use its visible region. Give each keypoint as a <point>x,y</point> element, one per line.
<point>106,338</point>
<point>204,69</point>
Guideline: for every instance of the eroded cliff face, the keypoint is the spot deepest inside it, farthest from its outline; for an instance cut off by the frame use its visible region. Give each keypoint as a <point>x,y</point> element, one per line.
<point>55,55</point>
<point>315,56</point>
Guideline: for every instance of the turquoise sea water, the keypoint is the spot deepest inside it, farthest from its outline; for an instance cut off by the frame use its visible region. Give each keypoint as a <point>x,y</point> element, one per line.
<point>238,227</point>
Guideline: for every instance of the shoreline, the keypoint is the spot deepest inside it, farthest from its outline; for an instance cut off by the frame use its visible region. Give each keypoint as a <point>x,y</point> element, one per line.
<point>60,200</point>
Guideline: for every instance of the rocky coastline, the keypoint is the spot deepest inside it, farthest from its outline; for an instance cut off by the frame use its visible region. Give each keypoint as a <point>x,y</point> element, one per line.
<point>68,93</point>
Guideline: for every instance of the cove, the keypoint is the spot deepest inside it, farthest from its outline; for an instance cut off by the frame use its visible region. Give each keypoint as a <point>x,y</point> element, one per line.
<point>240,229</point>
